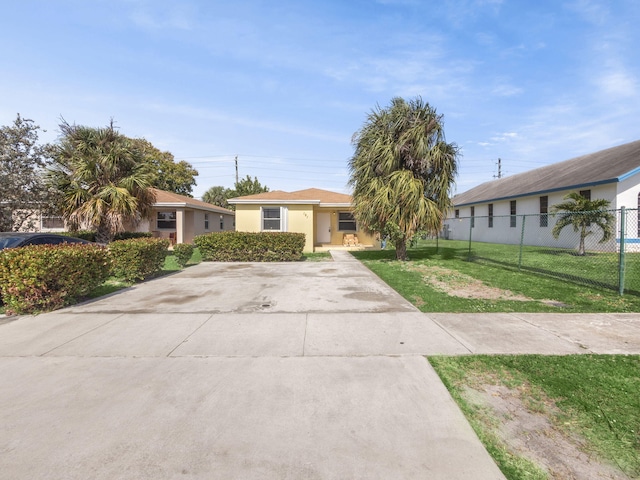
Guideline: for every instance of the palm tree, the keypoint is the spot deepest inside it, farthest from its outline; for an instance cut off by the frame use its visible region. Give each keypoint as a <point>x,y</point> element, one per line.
<point>103,179</point>
<point>402,171</point>
<point>581,213</point>
<point>218,195</point>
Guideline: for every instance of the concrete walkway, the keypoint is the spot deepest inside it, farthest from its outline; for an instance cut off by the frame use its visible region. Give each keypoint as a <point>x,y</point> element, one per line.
<point>258,371</point>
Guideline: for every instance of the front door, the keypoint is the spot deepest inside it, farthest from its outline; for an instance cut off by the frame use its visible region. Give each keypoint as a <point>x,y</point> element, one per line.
<point>323,235</point>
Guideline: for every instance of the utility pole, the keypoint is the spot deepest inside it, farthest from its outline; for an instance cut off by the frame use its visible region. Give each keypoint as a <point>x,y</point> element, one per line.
<point>499,169</point>
<point>236,168</point>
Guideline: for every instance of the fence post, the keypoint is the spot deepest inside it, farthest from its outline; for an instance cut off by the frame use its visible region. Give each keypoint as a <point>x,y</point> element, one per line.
<point>621,259</point>
<point>524,218</point>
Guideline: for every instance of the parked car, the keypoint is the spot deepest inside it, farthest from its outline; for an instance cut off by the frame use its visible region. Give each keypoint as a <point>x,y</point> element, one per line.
<point>22,239</point>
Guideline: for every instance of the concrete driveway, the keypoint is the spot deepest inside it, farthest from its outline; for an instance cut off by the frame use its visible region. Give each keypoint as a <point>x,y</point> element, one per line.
<point>254,371</point>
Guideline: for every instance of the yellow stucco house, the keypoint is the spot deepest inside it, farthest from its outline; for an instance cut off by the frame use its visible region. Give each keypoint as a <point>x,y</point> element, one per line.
<point>325,218</point>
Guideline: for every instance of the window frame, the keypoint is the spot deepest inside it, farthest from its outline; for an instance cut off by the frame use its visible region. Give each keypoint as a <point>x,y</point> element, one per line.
<point>206,221</point>
<point>513,211</point>
<point>350,220</point>
<point>490,215</point>
<point>282,219</point>
<point>544,211</point>
<point>171,220</point>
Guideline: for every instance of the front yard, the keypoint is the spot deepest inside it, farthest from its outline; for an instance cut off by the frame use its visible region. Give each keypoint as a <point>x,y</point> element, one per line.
<point>540,417</point>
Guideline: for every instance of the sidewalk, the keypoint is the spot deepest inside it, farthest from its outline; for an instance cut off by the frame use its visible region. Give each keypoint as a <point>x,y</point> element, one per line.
<point>257,371</point>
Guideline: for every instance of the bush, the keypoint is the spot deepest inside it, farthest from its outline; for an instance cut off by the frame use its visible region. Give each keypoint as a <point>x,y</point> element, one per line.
<point>183,253</point>
<point>88,235</point>
<point>41,278</point>
<point>251,247</point>
<point>137,258</point>
<point>130,235</point>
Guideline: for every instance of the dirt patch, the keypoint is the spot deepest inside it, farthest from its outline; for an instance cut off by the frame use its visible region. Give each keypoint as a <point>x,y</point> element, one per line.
<point>528,431</point>
<point>457,284</point>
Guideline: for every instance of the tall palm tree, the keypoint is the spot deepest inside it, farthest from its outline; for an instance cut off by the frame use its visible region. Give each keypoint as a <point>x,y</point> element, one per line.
<point>103,179</point>
<point>402,171</point>
<point>581,213</point>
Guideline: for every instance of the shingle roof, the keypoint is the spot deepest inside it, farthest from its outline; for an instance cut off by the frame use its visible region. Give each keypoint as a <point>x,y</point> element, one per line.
<point>173,199</point>
<point>310,195</point>
<point>606,166</point>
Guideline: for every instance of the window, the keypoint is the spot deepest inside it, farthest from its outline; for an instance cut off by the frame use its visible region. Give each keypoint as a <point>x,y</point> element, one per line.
<point>166,220</point>
<point>473,217</point>
<point>206,221</point>
<point>512,208</point>
<point>346,222</point>
<point>270,219</point>
<point>221,222</point>
<point>544,210</point>
<point>491,215</point>
<point>52,222</point>
<point>274,219</point>
<point>457,213</point>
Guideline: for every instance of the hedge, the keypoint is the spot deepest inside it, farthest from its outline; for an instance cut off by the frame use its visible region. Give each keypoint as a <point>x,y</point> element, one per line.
<point>251,247</point>
<point>41,278</point>
<point>137,258</point>
<point>90,235</point>
<point>183,253</point>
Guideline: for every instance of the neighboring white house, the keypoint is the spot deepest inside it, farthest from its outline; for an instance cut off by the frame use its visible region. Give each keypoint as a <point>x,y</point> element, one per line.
<point>496,208</point>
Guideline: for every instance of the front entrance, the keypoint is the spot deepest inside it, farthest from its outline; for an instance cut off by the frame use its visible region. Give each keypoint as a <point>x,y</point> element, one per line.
<point>323,234</point>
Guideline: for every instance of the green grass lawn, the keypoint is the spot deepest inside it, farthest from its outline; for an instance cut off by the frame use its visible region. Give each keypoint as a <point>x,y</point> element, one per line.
<point>449,264</point>
<point>594,396</point>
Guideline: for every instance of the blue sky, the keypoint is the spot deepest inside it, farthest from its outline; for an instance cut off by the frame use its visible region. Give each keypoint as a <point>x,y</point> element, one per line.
<point>284,85</point>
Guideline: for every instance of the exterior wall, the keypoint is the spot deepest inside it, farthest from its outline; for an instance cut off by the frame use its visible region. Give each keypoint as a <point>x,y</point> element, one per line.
<point>247,218</point>
<point>337,235</point>
<point>301,218</point>
<point>533,233</point>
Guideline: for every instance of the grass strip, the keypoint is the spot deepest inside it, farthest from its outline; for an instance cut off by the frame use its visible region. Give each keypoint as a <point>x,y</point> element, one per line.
<point>598,397</point>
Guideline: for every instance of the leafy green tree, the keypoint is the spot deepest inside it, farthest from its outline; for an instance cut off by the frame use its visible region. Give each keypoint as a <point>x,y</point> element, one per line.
<point>402,171</point>
<point>218,195</point>
<point>23,193</point>
<point>581,213</point>
<point>248,186</point>
<point>171,176</point>
<point>103,179</point>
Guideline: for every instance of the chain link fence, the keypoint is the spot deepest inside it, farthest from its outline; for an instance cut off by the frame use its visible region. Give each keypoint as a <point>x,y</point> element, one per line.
<point>527,243</point>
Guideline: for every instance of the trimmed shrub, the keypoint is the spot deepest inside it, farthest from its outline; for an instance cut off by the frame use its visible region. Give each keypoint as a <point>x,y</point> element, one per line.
<point>137,258</point>
<point>129,235</point>
<point>251,247</point>
<point>183,253</point>
<point>88,235</point>
<point>41,278</point>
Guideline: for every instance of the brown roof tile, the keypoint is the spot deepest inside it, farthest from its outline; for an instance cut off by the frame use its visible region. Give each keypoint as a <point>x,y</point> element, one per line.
<point>309,194</point>
<point>163,196</point>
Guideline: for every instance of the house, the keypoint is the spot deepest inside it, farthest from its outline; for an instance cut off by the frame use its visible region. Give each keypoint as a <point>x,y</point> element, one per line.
<point>495,210</point>
<point>181,218</point>
<point>176,217</point>
<point>326,218</point>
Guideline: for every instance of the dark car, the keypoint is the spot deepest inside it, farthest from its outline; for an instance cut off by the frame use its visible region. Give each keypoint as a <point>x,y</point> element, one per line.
<point>22,239</point>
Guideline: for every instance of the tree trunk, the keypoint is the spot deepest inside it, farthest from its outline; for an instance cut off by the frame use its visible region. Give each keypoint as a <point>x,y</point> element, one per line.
<point>103,233</point>
<point>401,249</point>
<point>581,249</point>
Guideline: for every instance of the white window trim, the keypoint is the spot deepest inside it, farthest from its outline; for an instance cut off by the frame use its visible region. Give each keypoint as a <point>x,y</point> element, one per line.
<point>283,219</point>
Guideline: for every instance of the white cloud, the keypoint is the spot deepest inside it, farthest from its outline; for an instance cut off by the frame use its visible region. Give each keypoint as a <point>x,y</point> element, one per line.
<point>618,84</point>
